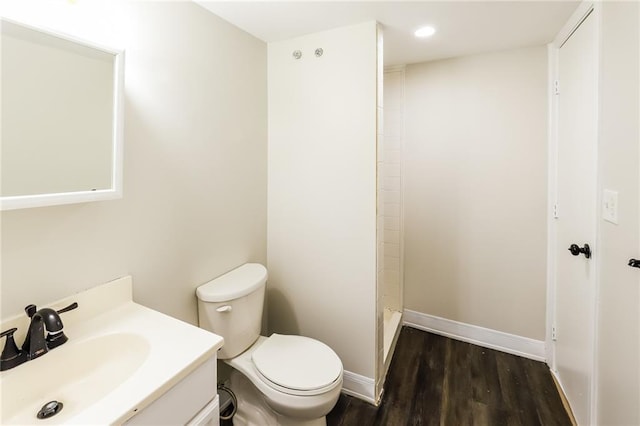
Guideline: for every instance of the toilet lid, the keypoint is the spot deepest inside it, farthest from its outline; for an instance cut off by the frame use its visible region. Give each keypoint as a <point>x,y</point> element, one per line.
<point>297,362</point>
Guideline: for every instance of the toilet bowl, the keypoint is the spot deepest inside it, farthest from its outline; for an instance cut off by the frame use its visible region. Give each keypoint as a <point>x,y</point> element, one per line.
<point>280,379</point>
<point>304,395</point>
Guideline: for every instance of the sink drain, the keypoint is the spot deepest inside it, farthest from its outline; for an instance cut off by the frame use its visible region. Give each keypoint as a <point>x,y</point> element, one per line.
<point>50,409</point>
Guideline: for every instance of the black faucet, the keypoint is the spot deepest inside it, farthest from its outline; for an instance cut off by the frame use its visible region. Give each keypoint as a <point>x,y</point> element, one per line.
<point>35,343</point>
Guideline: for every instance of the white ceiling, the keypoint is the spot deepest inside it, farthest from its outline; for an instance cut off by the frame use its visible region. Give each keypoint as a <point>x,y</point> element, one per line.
<point>463,27</point>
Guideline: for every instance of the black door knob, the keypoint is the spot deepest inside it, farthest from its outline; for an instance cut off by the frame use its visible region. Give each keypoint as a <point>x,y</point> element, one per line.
<point>634,263</point>
<point>576,250</point>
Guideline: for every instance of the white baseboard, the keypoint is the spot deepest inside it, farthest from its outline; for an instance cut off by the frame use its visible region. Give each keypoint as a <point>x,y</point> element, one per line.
<point>359,386</point>
<point>485,337</point>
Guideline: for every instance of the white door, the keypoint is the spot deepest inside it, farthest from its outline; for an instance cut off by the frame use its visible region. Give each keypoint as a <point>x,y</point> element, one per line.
<point>576,211</point>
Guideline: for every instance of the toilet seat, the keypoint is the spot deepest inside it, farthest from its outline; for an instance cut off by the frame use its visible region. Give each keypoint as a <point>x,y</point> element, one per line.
<point>297,365</point>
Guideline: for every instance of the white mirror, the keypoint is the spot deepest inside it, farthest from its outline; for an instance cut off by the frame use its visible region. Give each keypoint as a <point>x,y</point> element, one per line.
<point>62,115</point>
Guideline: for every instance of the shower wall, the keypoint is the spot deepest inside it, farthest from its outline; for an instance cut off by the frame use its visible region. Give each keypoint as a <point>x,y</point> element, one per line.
<point>390,131</point>
<point>391,186</point>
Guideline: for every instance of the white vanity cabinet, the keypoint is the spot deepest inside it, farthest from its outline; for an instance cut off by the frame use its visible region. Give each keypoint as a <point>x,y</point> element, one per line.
<point>192,401</point>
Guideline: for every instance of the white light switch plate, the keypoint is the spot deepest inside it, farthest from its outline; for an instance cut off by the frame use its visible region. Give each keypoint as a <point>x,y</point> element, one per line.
<point>610,206</point>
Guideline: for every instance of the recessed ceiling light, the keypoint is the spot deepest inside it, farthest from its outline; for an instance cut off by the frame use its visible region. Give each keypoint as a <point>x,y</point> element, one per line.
<point>425,32</point>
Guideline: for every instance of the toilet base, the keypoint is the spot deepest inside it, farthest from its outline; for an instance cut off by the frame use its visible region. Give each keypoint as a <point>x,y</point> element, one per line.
<point>254,411</point>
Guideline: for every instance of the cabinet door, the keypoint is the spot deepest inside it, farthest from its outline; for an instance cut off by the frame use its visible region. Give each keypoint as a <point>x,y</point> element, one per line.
<point>184,401</point>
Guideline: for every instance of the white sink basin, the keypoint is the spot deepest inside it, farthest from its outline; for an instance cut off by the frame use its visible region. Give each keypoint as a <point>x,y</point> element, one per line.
<point>77,374</point>
<point>120,358</point>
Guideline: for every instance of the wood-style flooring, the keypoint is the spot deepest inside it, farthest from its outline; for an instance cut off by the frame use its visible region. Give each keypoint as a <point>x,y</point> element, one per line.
<point>434,380</point>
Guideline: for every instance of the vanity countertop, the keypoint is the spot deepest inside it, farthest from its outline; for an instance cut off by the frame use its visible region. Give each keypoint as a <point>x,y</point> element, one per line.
<point>120,357</point>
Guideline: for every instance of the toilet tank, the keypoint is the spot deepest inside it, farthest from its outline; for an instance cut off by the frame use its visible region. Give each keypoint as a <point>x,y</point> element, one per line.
<point>231,306</point>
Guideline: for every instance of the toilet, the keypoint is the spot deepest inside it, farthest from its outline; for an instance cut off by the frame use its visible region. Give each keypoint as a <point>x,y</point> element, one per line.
<point>280,379</point>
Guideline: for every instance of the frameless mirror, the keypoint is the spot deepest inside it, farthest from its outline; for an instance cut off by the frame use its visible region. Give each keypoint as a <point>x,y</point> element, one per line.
<point>61,105</point>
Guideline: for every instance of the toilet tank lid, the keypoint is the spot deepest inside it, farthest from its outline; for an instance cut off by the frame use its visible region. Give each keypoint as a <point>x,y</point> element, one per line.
<point>234,284</point>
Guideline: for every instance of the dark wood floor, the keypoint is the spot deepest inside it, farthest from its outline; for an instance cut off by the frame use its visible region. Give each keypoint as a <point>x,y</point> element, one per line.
<point>434,380</point>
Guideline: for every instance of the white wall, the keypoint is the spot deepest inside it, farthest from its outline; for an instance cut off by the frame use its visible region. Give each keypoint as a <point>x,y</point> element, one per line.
<point>322,192</point>
<point>475,190</point>
<point>195,150</point>
<point>618,329</point>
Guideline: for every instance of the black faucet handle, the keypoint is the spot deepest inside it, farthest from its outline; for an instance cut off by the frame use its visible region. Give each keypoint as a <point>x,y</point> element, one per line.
<point>8,332</point>
<point>10,349</point>
<point>11,355</point>
<point>32,309</point>
<point>68,308</point>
